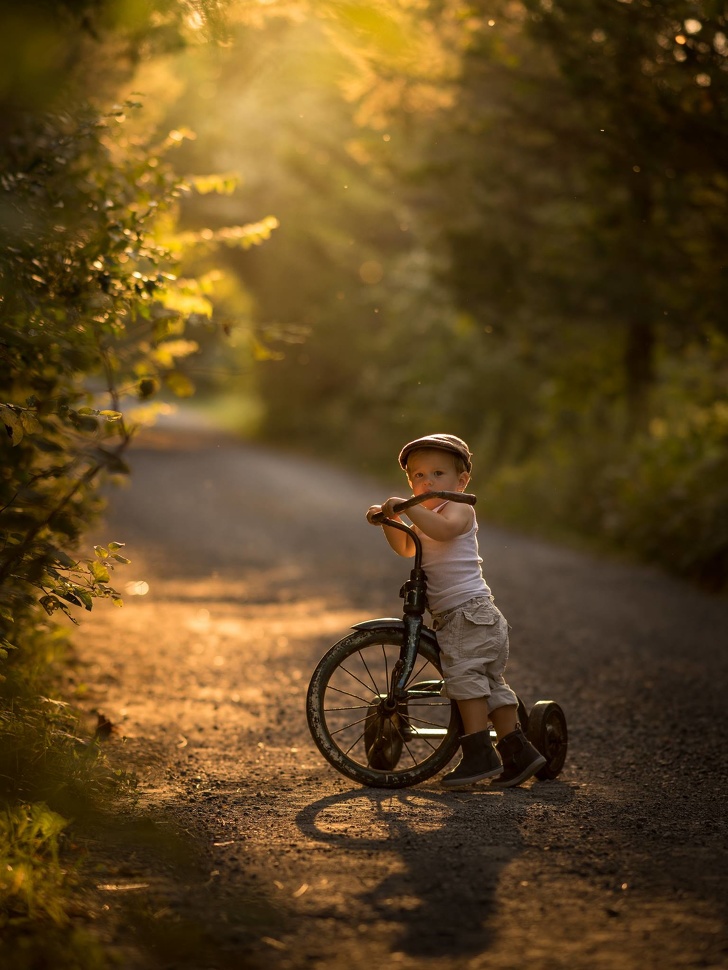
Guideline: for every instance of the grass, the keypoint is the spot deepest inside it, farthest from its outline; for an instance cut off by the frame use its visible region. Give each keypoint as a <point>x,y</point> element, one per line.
<point>31,876</point>
<point>52,778</point>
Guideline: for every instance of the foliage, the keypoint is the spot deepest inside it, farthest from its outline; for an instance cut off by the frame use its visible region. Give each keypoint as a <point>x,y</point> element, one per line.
<point>50,772</point>
<point>94,314</point>
<point>45,752</point>
<point>505,220</point>
<point>30,870</point>
<point>78,273</point>
<point>599,263</point>
<point>98,315</point>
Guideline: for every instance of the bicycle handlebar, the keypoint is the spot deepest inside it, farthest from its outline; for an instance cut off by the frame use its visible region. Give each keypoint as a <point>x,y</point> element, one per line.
<point>462,497</point>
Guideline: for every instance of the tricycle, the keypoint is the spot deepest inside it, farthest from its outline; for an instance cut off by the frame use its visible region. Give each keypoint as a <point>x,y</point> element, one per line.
<point>375,704</point>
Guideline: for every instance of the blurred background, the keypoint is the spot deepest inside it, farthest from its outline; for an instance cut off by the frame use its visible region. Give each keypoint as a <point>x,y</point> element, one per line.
<point>503,220</point>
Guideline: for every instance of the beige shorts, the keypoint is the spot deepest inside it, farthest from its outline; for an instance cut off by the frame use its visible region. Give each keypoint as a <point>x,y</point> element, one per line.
<point>473,642</point>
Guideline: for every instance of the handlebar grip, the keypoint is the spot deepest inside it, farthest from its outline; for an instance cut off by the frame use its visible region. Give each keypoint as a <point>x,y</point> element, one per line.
<point>379,518</point>
<point>462,497</point>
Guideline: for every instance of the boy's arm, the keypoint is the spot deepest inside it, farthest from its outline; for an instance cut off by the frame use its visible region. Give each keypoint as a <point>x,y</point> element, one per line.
<point>399,541</point>
<point>451,521</point>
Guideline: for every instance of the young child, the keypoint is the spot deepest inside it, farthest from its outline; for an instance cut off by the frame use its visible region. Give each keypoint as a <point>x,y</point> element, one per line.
<point>471,631</point>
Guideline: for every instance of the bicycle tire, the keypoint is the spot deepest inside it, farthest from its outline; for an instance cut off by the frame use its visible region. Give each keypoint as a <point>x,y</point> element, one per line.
<point>349,679</point>
<point>548,733</point>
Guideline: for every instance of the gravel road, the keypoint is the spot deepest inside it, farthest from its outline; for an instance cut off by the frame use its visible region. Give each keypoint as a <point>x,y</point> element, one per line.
<point>245,849</point>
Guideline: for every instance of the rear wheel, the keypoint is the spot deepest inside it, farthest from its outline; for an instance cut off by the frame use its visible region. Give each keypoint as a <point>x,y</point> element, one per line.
<point>364,737</point>
<point>548,733</point>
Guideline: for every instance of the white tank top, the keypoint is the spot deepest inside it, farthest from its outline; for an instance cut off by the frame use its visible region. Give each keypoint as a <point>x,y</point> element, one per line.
<point>453,568</point>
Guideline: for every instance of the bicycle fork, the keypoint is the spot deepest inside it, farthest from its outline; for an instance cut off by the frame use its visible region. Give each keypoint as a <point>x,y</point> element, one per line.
<point>413,592</point>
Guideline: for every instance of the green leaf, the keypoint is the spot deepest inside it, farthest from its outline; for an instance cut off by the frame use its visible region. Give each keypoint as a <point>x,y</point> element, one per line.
<point>50,604</point>
<point>12,421</point>
<point>101,552</point>
<point>121,559</point>
<point>67,611</point>
<point>63,559</point>
<point>261,352</point>
<point>31,424</point>
<point>99,572</point>
<point>222,184</point>
<point>147,387</point>
<point>115,546</point>
<point>168,351</point>
<point>179,384</point>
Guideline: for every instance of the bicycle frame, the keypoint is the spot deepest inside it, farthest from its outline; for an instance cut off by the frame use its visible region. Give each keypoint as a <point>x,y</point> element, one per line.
<point>414,593</point>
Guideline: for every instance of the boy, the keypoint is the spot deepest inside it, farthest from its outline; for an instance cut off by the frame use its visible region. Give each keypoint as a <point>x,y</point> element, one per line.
<point>471,631</point>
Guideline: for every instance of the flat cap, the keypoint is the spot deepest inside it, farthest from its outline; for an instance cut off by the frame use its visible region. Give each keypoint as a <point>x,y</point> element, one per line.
<point>443,442</point>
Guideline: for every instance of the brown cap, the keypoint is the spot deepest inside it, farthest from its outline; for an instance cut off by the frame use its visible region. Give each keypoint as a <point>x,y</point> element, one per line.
<point>444,442</point>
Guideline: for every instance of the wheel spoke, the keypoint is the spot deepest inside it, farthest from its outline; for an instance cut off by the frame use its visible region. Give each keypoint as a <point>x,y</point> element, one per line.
<point>331,710</point>
<point>351,724</point>
<point>349,750</point>
<point>364,700</point>
<point>424,721</point>
<point>377,692</point>
<point>409,752</point>
<point>346,670</point>
<point>414,676</point>
<point>423,738</point>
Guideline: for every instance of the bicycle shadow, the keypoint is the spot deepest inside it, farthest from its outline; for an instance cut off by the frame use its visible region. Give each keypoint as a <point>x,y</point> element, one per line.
<point>451,850</point>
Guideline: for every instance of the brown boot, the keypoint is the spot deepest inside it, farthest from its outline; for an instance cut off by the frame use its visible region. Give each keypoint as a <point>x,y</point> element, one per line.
<point>520,759</point>
<point>479,761</point>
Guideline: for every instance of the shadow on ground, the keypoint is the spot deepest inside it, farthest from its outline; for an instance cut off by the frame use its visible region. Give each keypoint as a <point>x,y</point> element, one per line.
<point>447,853</point>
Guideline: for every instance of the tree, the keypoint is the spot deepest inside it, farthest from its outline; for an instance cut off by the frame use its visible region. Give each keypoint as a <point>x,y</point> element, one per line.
<point>94,309</point>
<point>589,170</point>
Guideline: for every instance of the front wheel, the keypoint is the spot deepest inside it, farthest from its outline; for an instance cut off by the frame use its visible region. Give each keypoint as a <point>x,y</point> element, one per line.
<point>364,737</point>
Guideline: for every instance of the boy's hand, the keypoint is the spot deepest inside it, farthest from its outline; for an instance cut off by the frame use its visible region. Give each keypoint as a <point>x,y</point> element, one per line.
<point>388,507</point>
<point>387,510</point>
<point>401,543</point>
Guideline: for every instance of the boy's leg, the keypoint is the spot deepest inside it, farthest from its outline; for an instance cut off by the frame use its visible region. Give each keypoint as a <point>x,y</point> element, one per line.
<point>520,758</point>
<point>474,714</point>
<point>504,720</point>
<point>472,638</point>
<point>479,760</point>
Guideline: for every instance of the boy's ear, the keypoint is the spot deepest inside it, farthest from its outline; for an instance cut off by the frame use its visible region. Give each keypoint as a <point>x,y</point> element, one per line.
<point>463,480</point>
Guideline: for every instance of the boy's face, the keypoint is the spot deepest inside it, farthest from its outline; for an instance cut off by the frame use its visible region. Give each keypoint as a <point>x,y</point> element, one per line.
<point>431,469</point>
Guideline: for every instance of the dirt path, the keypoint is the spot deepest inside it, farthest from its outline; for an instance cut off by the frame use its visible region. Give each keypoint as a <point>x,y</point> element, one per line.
<point>246,850</point>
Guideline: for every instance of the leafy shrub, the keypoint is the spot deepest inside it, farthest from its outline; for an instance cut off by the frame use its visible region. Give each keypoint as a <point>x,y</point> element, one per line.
<point>94,314</point>
<point>94,323</point>
<point>660,496</point>
<point>30,872</point>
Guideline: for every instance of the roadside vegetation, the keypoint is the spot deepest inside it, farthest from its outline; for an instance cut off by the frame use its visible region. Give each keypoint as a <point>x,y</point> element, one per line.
<point>504,220</point>
<point>98,317</point>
